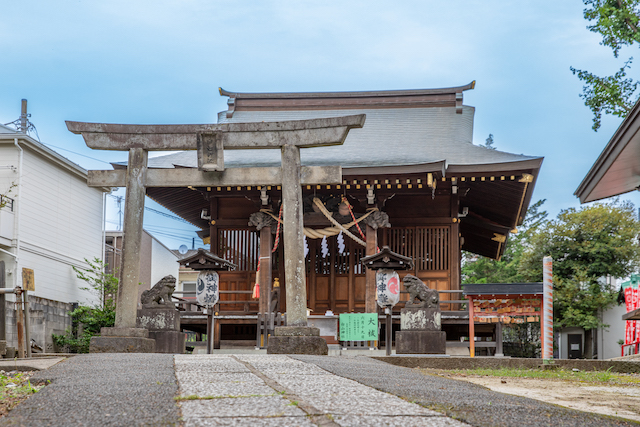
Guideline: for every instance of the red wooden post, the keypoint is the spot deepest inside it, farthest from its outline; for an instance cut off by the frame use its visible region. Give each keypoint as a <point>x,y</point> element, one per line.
<point>472,344</point>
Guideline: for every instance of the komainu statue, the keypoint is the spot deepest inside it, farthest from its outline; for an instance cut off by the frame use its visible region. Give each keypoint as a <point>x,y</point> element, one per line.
<point>160,294</point>
<point>427,298</point>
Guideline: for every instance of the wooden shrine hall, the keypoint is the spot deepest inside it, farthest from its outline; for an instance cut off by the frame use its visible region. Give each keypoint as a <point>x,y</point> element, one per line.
<point>412,179</point>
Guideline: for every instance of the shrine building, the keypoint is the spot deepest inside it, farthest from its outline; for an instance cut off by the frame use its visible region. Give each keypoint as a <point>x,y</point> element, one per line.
<point>413,172</point>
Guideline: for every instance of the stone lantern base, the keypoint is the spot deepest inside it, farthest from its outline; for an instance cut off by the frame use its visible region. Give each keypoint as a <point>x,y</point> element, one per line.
<point>122,340</point>
<point>297,340</point>
<point>420,332</point>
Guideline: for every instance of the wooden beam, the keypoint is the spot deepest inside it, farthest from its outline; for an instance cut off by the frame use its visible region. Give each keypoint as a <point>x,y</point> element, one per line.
<point>184,177</point>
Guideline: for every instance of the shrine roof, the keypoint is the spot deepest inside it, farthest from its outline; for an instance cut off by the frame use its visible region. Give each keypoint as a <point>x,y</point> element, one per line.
<point>435,138</point>
<point>405,132</point>
<point>615,171</point>
<point>502,289</point>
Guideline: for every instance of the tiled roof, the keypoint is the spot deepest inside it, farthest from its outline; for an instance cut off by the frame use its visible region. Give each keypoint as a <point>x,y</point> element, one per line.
<point>390,137</point>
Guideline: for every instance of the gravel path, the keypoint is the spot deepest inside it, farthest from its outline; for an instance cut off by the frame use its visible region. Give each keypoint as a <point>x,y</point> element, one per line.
<point>461,400</point>
<point>103,390</point>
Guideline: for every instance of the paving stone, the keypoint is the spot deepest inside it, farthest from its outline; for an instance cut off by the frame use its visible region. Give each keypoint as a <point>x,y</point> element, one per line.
<point>396,421</point>
<point>188,377</point>
<point>250,422</point>
<point>268,406</point>
<point>378,404</point>
<point>225,389</point>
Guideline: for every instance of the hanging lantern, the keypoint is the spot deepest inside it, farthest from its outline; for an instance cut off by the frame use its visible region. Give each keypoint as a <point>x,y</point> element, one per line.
<point>388,287</point>
<point>207,288</point>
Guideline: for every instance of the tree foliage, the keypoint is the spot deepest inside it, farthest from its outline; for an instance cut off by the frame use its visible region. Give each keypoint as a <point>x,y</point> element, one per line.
<point>88,320</point>
<point>489,142</point>
<point>520,340</point>
<point>586,245</point>
<point>617,21</point>
<point>478,269</point>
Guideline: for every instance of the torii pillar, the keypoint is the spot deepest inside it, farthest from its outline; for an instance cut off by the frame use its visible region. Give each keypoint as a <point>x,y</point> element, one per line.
<point>210,141</point>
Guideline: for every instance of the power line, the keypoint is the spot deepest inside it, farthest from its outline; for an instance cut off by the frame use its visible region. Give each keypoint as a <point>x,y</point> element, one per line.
<point>31,126</point>
<point>177,218</point>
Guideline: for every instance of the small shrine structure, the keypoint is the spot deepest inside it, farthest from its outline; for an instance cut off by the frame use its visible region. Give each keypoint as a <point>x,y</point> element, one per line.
<point>503,303</point>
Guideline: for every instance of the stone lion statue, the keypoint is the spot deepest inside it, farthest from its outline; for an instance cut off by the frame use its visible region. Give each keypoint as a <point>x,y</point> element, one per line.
<point>160,294</point>
<point>427,298</point>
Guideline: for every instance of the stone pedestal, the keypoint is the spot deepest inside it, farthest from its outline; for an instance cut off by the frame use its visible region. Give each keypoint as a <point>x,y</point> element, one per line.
<point>297,340</point>
<point>164,326</point>
<point>3,348</point>
<point>122,340</point>
<point>420,332</point>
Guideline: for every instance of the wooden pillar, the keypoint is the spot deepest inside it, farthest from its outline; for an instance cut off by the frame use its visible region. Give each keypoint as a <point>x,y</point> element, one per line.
<point>352,271</point>
<point>213,228</point>
<point>499,351</point>
<point>370,275</point>
<point>293,237</point>
<point>127,303</point>
<point>265,269</point>
<point>313,266</point>
<point>454,244</point>
<point>332,272</point>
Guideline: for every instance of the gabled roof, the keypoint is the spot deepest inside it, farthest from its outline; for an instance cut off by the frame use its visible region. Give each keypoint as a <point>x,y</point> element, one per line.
<point>430,139</point>
<point>205,260</point>
<point>617,169</point>
<point>406,132</point>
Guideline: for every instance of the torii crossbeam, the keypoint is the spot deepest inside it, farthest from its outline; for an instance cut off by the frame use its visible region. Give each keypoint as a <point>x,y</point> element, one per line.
<point>211,140</point>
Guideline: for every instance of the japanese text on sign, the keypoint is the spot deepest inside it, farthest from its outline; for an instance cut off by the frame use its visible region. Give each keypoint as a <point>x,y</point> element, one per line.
<point>358,327</point>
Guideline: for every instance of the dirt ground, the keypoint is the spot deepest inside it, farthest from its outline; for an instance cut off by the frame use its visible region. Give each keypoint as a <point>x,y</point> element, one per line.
<point>616,400</point>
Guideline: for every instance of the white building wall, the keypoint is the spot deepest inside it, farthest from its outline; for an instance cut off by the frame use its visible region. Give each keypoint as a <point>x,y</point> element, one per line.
<point>563,340</point>
<point>608,338</point>
<point>60,224</point>
<point>163,262</point>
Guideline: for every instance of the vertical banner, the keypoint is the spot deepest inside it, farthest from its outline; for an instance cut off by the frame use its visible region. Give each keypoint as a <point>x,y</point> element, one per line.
<point>547,309</point>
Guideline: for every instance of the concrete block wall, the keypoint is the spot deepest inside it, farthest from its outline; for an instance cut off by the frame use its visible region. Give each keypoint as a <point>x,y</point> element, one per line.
<point>47,317</point>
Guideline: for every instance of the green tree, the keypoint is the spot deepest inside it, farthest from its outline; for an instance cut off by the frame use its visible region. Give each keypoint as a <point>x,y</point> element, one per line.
<point>88,320</point>
<point>617,21</point>
<point>587,245</point>
<point>520,340</point>
<point>479,269</point>
<point>488,143</point>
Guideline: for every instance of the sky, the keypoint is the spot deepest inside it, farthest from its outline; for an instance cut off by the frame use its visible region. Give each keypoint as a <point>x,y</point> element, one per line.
<point>162,62</point>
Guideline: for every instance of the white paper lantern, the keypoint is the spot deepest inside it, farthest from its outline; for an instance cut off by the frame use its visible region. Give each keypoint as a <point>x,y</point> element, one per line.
<point>387,287</point>
<point>207,288</point>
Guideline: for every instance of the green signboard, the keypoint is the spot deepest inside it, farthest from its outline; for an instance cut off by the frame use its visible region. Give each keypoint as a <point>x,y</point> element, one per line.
<point>358,327</point>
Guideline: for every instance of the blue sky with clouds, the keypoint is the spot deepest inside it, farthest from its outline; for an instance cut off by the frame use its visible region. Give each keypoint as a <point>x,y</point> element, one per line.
<point>163,61</point>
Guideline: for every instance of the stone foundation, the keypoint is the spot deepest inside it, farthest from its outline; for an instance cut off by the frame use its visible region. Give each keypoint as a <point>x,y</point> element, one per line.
<point>297,340</point>
<point>421,342</point>
<point>420,332</point>
<point>164,327</point>
<point>114,340</point>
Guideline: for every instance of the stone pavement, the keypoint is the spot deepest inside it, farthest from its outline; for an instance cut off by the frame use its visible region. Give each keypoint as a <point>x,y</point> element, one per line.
<point>271,390</point>
<point>246,390</point>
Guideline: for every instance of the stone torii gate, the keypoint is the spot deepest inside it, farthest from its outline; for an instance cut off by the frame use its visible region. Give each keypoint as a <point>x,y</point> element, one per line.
<point>211,140</point>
